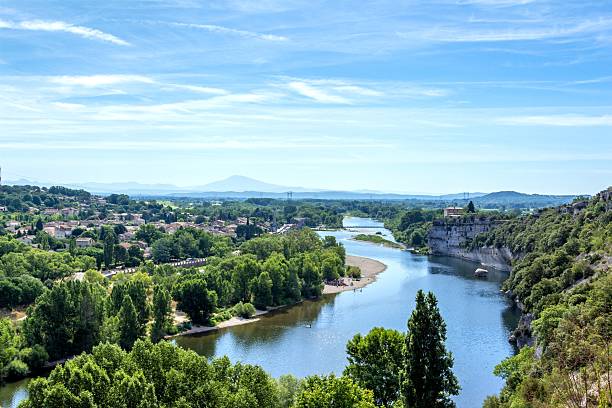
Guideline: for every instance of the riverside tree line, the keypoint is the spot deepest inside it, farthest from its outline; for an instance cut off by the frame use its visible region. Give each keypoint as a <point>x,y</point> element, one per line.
<point>73,316</point>
<point>385,368</point>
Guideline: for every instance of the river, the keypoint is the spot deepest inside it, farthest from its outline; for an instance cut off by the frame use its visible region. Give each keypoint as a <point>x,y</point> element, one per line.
<point>310,338</point>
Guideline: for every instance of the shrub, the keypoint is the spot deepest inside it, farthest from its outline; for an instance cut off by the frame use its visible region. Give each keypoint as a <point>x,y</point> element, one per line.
<point>245,310</point>
<point>16,369</point>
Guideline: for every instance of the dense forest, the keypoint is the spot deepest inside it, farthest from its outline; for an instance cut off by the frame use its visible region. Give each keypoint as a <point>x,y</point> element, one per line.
<point>68,316</point>
<point>562,282</point>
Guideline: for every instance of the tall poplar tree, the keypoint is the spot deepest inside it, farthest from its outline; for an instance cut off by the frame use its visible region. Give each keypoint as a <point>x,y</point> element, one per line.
<point>161,312</point>
<point>427,380</point>
<point>128,324</point>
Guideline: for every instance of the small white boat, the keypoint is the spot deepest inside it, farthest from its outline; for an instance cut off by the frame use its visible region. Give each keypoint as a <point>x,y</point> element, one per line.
<point>481,273</point>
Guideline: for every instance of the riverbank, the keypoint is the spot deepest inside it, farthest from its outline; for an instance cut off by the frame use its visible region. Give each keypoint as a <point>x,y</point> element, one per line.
<point>234,321</point>
<point>369,269</point>
<point>377,239</point>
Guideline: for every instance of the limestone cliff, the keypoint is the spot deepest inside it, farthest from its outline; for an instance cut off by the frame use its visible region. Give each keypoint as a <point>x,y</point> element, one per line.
<point>451,237</point>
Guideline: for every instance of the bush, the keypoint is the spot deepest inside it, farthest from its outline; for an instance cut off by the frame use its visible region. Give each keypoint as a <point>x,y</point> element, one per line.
<point>492,401</point>
<point>353,272</point>
<point>222,316</point>
<point>16,369</point>
<point>35,357</point>
<point>245,310</point>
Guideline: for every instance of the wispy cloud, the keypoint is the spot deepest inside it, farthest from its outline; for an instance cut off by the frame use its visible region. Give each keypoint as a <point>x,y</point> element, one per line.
<point>186,145</point>
<point>519,33</point>
<point>200,89</point>
<point>61,26</point>
<point>558,120</point>
<point>496,3</point>
<point>231,31</point>
<point>316,93</point>
<point>99,80</point>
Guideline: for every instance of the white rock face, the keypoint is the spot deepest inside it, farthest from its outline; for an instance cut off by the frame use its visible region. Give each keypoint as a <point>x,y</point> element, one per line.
<point>449,237</point>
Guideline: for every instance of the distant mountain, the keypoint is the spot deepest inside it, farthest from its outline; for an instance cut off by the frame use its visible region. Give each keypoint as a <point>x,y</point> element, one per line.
<point>514,199</point>
<point>461,196</point>
<point>129,188</point>
<point>242,184</point>
<point>241,187</point>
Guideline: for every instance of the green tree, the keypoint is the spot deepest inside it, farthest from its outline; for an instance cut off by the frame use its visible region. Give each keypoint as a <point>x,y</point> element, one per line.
<point>72,249</point>
<point>292,290</point>
<point>375,361</point>
<point>109,248</point>
<point>149,233</point>
<point>288,388</point>
<point>311,274</point>
<point>471,208</point>
<point>262,291</point>
<point>128,324</point>
<point>332,392</point>
<point>161,312</point>
<point>427,380</point>
<point>164,250</point>
<point>67,319</point>
<point>332,267</point>
<point>277,268</point>
<point>195,299</point>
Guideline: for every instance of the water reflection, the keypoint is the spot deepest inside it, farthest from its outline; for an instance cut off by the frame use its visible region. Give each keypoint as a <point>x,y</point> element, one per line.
<point>310,338</point>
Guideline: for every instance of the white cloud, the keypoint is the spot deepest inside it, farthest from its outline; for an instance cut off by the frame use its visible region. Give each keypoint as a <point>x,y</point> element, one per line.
<point>231,144</point>
<point>315,93</point>
<point>496,3</point>
<point>60,26</point>
<point>461,34</point>
<point>99,80</point>
<point>358,90</point>
<point>68,106</point>
<point>200,89</point>
<point>232,31</point>
<point>558,120</point>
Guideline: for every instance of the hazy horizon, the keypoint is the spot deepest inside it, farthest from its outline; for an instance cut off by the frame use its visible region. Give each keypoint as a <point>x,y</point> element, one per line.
<point>196,188</point>
<point>417,97</point>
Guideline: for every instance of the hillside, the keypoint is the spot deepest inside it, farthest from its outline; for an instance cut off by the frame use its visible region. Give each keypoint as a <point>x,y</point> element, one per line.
<point>513,199</point>
<point>563,285</point>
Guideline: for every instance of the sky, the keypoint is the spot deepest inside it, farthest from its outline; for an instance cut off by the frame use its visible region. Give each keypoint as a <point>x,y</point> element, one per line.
<point>417,96</point>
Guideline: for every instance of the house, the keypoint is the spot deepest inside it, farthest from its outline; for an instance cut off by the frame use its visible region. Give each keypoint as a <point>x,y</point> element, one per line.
<point>3,209</point>
<point>82,242</point>
<point>299,222</point>
<point>69,211</point>
<point>13,225</point>
<point>452,212</point>
<point>58,231</point>
<point>51,211</point>
<point>26,239</point>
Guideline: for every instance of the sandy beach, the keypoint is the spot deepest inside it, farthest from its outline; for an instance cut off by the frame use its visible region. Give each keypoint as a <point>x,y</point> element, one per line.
<point>234,321</point>
<point>369,269</point>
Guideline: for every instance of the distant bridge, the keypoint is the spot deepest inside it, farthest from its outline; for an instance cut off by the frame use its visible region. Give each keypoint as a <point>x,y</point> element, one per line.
<point>363,226</point>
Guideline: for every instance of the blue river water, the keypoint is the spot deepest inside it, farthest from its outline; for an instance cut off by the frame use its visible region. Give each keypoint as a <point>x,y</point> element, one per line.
<point>310,338</point>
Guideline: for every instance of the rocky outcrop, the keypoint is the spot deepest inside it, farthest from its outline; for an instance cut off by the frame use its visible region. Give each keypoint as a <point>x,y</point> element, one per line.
<point>522,335</point>
<point>450,237</point>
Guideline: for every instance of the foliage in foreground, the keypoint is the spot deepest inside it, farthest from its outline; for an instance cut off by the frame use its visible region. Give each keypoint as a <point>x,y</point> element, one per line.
<point>386,368</point>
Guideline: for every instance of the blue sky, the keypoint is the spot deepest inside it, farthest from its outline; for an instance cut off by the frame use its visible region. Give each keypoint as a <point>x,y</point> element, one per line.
<point>430,96</point>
